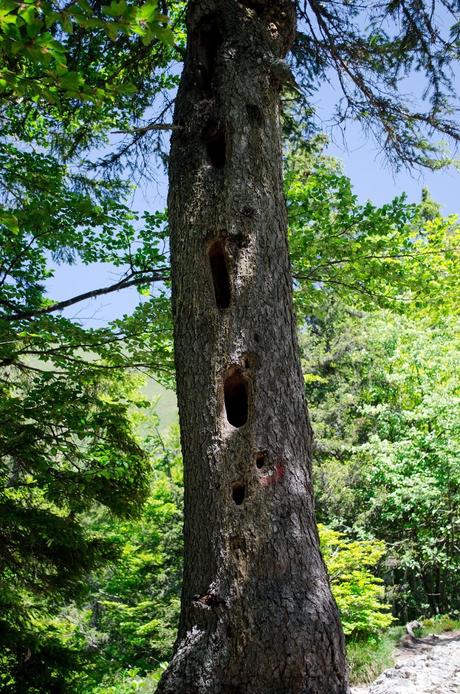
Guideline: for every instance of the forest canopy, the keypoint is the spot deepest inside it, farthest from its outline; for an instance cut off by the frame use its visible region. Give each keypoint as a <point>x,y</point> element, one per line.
<point>91,487</point>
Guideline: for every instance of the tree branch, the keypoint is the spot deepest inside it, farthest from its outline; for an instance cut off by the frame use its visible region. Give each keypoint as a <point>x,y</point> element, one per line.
<point>129,281</point>
<point>146,128</point>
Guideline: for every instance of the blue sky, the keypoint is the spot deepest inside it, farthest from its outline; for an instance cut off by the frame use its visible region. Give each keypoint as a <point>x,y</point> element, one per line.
<point>363,163</point>
<point>373,179</point>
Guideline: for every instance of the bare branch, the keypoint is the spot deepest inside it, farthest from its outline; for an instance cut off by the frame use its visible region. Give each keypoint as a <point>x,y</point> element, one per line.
<point>147,128</point>
<point>129,281</point>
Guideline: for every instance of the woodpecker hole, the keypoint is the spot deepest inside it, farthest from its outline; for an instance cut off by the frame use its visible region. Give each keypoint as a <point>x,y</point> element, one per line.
<point>261,459</point>
<point>255,114</point>
<point>209,42</point>
<point>256,337</point>
<point>220,276</point>
<point>236,398</point>
<point>214,139</point>
<point>238,493</point>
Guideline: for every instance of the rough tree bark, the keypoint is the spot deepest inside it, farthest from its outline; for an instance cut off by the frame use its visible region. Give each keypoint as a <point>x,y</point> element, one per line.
<point>257,613</point>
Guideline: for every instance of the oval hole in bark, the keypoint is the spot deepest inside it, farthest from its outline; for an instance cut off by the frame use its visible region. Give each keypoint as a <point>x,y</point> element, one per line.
<point>255,114</point>
<point>214,138</point>
<point>210,40</point>
<point>236,398</point>
<point>261,459</point>
<point>238,493</point>
<point>220,276</point>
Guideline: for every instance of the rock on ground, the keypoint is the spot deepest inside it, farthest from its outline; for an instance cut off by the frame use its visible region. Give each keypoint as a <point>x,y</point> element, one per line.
<point>429,668</point>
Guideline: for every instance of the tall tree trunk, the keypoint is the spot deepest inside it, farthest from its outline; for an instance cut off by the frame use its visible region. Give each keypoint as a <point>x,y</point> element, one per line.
<point>257,613</point>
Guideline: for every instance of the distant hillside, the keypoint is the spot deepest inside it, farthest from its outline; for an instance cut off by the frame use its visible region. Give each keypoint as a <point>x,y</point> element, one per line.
<point>166,406</point>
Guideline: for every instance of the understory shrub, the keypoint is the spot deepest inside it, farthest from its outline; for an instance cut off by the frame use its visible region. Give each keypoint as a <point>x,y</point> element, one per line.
<point>357,591</point>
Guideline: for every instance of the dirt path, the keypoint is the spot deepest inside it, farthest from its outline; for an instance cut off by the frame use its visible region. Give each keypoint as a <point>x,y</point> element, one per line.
<point>431,666</point>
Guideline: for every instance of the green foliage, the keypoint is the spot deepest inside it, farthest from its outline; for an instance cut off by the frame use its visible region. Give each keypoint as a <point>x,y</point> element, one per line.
<point>383,397</point>
<point>70,72</point>
<point>67,445</point>
<point>362,255</point>
<point>438,625</point>
<point>378,291</point>
<point>67,441</point>
<point>36,44</point>
<point>136,605</point>
<point>415,471</point>
<point>357,591</point>
<point>84,587</point>
<point>130,619</point>
<point>369,657</point>
<point>131,682</point>
<point>126,574</point>
<point>61,216</point>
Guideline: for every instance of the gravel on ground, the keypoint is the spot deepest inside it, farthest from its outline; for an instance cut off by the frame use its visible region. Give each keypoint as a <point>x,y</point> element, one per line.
<point>430,666</point>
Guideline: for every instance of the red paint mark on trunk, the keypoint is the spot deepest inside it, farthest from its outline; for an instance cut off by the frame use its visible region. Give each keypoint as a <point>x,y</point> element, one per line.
<point>273,476</point>
<point>279,471</point>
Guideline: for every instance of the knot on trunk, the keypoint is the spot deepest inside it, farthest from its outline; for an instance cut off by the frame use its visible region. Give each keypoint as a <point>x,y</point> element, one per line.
<point>279,17</point>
